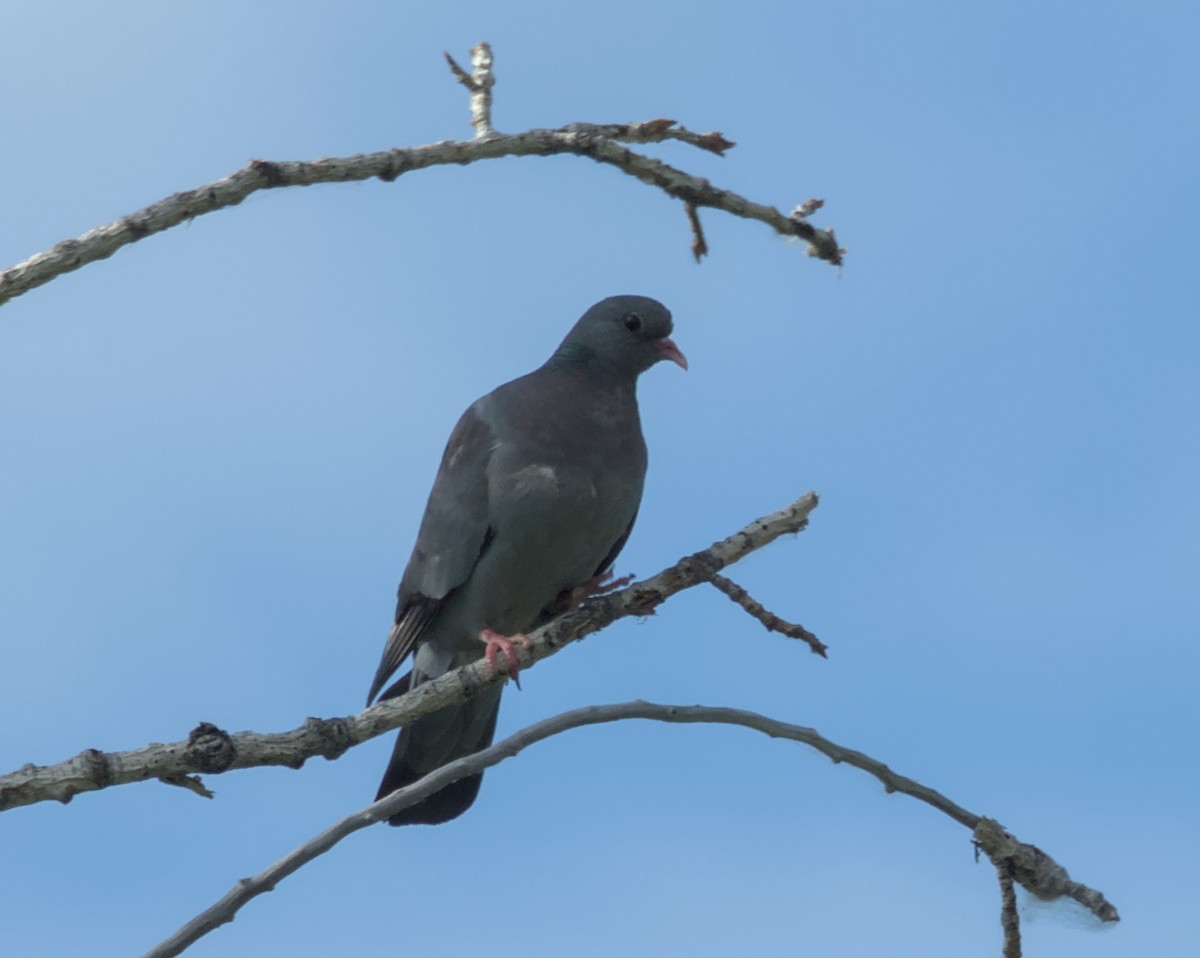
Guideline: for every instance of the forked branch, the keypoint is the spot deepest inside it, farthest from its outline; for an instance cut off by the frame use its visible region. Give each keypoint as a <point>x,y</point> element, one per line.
<point>600,142</point>
<point>210,750</point>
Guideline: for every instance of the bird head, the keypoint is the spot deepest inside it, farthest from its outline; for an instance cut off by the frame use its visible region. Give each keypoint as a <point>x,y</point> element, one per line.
<point>630,333</point>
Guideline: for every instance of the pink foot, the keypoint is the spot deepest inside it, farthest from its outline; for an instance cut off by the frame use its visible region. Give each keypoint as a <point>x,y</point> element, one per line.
<point>497,643</point>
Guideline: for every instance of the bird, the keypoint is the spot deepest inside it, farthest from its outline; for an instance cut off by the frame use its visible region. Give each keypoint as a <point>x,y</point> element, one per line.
<point>537,493</point>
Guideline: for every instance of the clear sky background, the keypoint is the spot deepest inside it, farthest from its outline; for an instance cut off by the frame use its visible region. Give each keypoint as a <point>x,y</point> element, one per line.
<point>216,448</point>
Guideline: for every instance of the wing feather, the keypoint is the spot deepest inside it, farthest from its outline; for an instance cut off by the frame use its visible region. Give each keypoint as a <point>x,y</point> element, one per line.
<point>454,533</point>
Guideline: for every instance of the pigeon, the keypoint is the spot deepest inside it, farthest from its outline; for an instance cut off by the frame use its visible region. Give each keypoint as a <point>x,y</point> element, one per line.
<point>536,494</point>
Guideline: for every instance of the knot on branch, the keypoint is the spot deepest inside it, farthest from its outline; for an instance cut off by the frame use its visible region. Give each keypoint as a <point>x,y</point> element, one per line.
<point>584,138</point>
<point>271,172</point>
<point>99,770</point>
<point>398,162</point>
<point>209,749</point>
<point>821,243</point>
<point>333,736</point>
<point>135,226</point>
<point>1037,872</point>
<point>700,566</point>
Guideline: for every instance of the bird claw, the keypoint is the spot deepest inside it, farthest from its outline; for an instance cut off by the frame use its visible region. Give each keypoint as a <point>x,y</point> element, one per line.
<point>600,585</point>
<point>497,643</point>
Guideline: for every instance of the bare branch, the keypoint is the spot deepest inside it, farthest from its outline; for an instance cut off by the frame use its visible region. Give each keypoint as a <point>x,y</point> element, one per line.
<point>245,890</point>
<point>828,239</point>
<point>699,245</point>
<point>656,131</point>
<point>461,75</point>
<point>193,783</point>
<point>807,208</point>
<point>598,141</point>
<point>387,165</point>
<point>211,750</point>
<point>773,622</point>
<point>480,83</point>
<point>1037,872</point>
<point>1010,921</point>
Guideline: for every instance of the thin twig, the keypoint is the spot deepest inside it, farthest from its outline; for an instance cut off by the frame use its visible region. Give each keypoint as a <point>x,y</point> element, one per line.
<point>657,131</point>
<point>193,783</point>
<point>480,83</point>
<point>768,618</point>
<point>481,97</point>
<point>461,75</point>
<point>211,750</point>
<point>807,208</point>
<point>699,246</point>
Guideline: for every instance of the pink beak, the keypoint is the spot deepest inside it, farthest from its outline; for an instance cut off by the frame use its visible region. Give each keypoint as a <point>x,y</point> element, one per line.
<point>670,351</point>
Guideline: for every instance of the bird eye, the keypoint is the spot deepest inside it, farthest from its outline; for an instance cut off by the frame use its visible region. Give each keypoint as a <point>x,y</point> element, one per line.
<point>633,322</point>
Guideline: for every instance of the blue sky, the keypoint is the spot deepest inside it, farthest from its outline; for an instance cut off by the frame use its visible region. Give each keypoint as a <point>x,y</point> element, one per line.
<point>217,446</point>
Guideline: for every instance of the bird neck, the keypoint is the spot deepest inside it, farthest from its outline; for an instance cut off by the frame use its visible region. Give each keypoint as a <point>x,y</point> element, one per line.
<point>580,362</point>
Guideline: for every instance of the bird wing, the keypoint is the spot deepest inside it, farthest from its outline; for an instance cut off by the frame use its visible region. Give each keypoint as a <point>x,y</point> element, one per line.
<point>455,531</point>
<point>617,547</point>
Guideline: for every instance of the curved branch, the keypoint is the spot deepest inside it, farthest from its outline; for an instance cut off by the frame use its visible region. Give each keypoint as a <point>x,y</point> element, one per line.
<point>387,165</point>
<point>244,891</point>
<point>599,141</point>
<point>211,750</point>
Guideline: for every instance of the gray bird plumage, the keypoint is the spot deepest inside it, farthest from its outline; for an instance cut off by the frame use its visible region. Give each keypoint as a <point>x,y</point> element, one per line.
<point>537,492</point>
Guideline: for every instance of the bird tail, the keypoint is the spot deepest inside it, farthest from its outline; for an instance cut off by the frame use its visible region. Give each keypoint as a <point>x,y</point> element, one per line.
<point>432,741</point>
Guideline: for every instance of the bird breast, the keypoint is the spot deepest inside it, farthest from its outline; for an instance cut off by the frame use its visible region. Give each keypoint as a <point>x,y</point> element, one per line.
<point>552,527</point>
<point>535,479</point>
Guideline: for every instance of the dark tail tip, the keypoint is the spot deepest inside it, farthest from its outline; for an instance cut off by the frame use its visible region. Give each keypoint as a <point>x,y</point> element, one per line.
<point>440,807</point>
<point>452,800</point>
<point>400,687</point>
